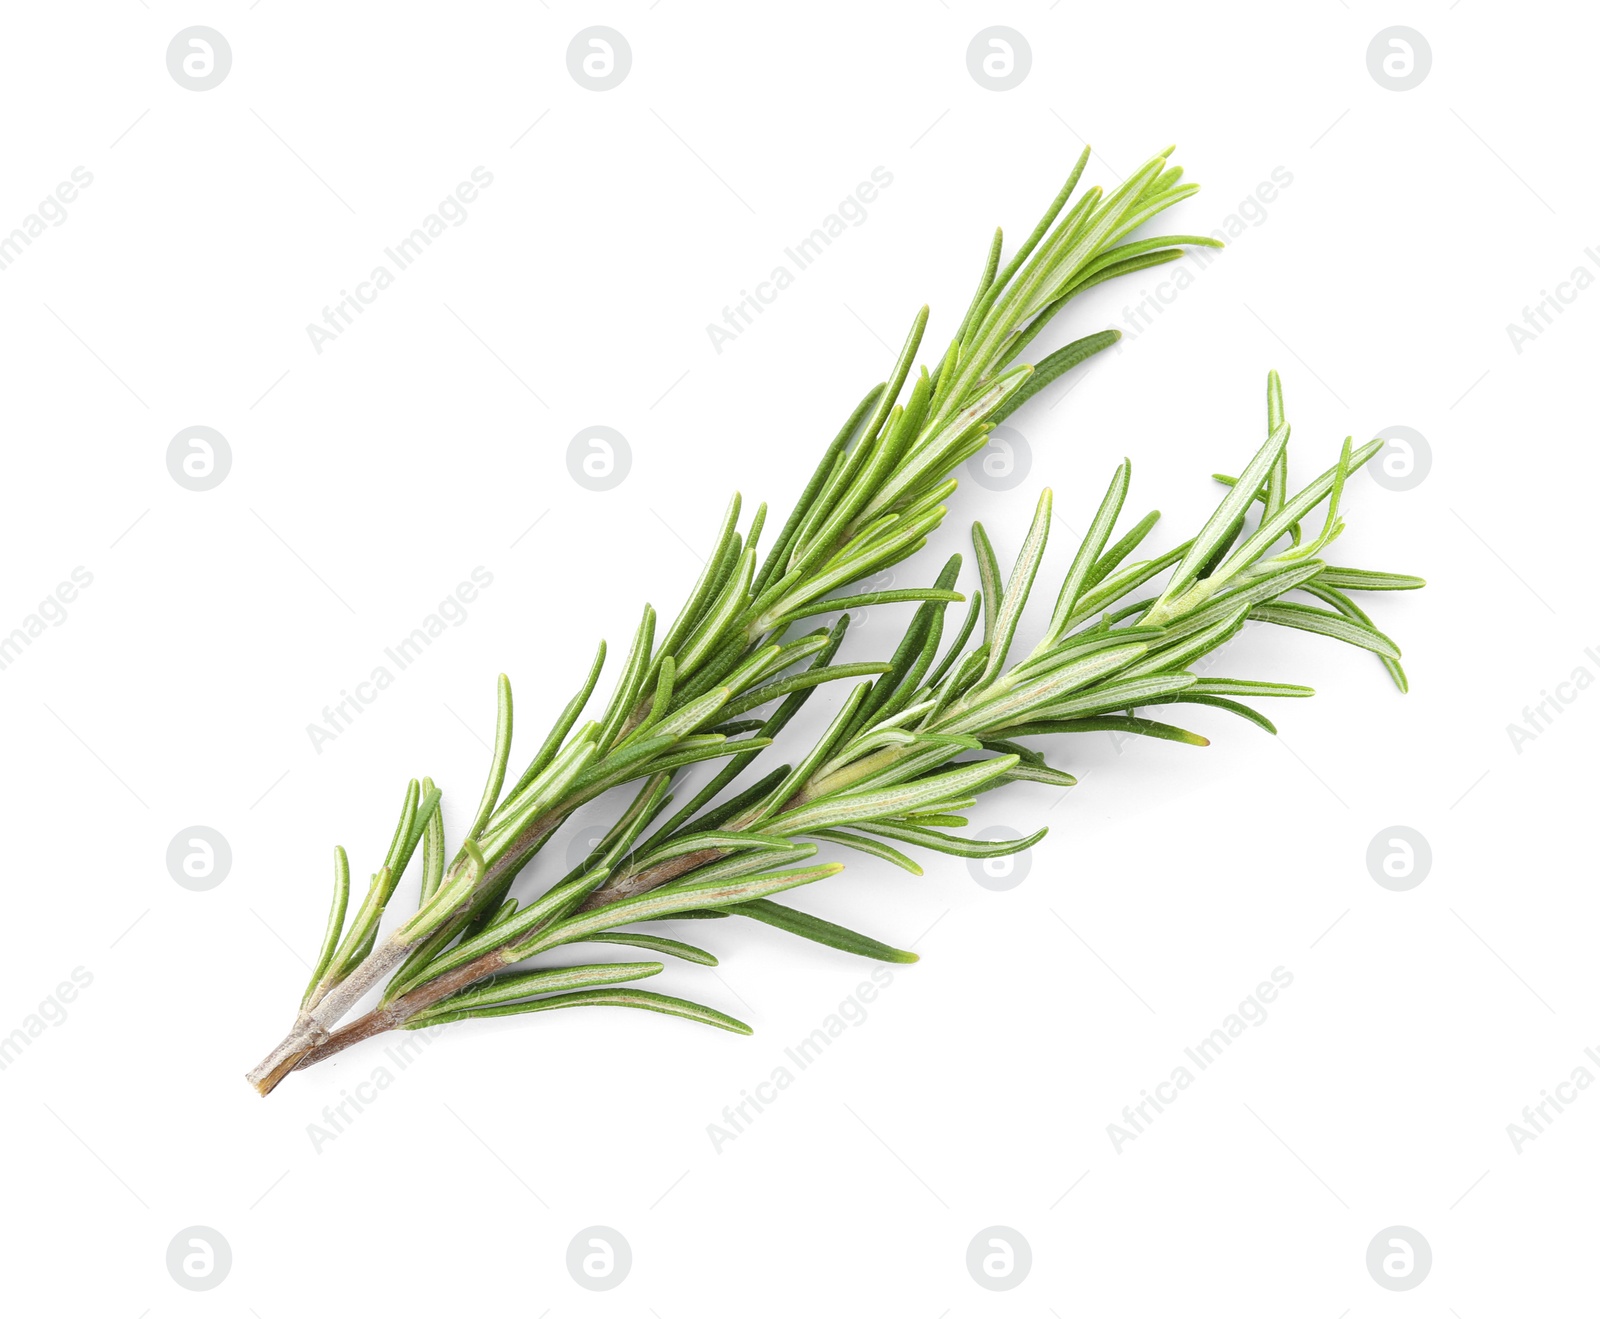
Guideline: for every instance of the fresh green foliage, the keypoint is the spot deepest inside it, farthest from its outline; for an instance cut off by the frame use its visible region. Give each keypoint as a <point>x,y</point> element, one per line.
<point>907,754</point>
<point>909,750</point>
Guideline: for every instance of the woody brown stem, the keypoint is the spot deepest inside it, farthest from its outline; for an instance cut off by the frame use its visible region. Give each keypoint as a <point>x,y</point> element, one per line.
<point>393,1016</point>
<point>631,886</point>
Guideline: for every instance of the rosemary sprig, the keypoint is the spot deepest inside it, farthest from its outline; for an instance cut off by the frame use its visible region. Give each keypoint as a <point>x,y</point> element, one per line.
<point>875,497</point>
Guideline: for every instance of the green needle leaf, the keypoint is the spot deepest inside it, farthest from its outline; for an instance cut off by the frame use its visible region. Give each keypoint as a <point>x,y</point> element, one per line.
<point>1108,561</point>
<point>1247,687</point>
<point>868,845</point>
<point>951,844</point>
<point>562,726</point>
<point>497,759</point>
<point>1125,695</point>
<point>432,851</point>
<point>705,588</point>
<point>1348,607</point>
<point>629,681</point>
<point>713,838</point>
<point>330,938</point>
<point>1018,588</point>
<point>1329,625</point>
<point>1112,723</point>
<point>867,600</point>
<point>1235,707</point>
<point>1357,579</point>
<point>597,998</point>
<point>654,943</point>
<point>800,681</point>
<point>880,803</point>
<point>1222,522</point>
<point>685,897</point>
<point>513,985</point>
<point>1050,369</point>
<point>1088,555</point>
<point>820,931</point>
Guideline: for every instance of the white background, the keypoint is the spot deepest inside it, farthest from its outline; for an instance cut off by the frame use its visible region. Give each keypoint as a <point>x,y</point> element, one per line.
<point>369,479</point>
